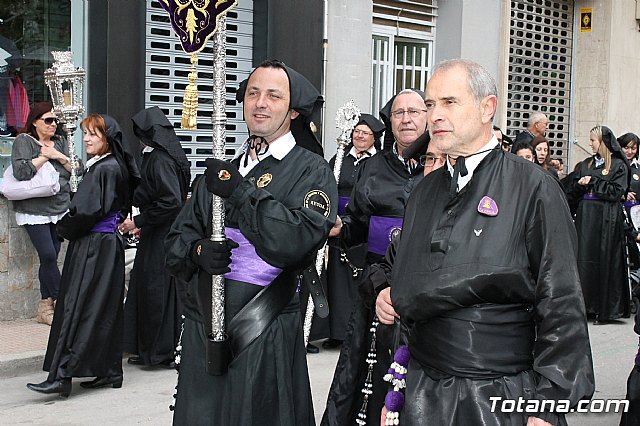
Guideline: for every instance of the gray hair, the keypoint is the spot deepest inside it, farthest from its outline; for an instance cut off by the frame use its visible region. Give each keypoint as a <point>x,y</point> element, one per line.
<point>481,83</point>
<point>535,117</point>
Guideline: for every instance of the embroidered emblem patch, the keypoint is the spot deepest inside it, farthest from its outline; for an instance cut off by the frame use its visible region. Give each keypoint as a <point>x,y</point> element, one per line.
<point>224,175</point>
<point>488,206</point>
<point>635,177</point>
<point>318,201</point>
<point>605,172</point>
<point>264,180</point>
<point>477,232</point>
<point>394,232</point>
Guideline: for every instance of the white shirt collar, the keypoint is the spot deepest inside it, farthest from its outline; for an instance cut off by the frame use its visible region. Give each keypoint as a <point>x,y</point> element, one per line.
<point>635,163</point>
<point>93,160</point>
<point>147,149</point>
<point>278,149</point>
<point>353,152</point>
<point>471,162</point>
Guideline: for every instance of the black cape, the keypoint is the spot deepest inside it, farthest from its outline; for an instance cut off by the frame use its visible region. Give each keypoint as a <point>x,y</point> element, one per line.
<point>464,281</point>
<point>382,189</point>
<point>152,309</point>
<point>86,334</point>
<point>267,383</point>
<point>601,240</point>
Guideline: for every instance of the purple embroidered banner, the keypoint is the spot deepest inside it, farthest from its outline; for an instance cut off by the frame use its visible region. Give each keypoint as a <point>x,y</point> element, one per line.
<point>342,204</point>
<point>195,21</point>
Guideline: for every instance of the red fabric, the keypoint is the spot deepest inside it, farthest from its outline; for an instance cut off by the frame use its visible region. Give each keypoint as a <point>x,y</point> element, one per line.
<point>17,104</point>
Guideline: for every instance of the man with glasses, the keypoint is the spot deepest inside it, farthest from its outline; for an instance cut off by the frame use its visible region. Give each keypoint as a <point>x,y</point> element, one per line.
<point>536,126</point>
<point>374,216</point>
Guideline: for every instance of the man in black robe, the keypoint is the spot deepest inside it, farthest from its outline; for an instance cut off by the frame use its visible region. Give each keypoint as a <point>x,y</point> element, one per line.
<point>280,203</point>
<point>485,277</point>
<point>152,309</point>
<point>374,216</point>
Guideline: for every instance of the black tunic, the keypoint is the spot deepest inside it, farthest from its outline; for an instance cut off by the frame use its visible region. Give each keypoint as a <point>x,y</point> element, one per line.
<point>341,283</point>
<point>493,302</point>
<point>267,383</point>
<point>86,334</point>
<point>152,310</point>
<point>600,227</point>
<point>382,189</point>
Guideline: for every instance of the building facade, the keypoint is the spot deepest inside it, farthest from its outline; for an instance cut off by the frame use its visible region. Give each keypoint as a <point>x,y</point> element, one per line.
<point>576,60</point>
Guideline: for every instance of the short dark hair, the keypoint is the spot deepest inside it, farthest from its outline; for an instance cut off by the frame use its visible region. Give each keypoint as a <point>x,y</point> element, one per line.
<point>523,145</point>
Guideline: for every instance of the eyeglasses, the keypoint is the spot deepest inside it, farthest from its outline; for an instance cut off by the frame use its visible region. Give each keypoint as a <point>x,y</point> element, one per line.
<point>361,132</point>
<point>413,113</point>
<point>50,120</point>
<point>428,160</point>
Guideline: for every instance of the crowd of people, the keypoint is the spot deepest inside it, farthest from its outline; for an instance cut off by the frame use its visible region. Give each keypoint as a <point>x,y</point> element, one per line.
<point>447,244</point>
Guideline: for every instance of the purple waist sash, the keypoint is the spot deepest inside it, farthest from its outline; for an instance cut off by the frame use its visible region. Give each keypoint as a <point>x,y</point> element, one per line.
<point>590,197</point>
<point>246,265</point>
<point>342,204</point>
<point>107,224</point>
<point>630,203</point>
<point>381,231</point>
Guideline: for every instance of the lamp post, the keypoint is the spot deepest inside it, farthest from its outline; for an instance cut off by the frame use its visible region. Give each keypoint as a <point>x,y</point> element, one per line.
<point>66,84</point>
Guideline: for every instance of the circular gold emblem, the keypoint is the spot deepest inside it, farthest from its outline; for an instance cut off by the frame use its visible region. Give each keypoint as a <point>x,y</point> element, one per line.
<point>264,180</point>
<point>318,201</point>
<point>224,175</point>
<point>635,177</point>
<point>605,172</point>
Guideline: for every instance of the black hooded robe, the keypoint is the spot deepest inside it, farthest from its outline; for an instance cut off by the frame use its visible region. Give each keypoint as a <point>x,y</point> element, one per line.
<point>342,287</point>
<point>491,296</point>
<point>267,383</point>
<point>382,189</point>
<point>601,240</point>
<point>153,309</point>
<point>86,334</point>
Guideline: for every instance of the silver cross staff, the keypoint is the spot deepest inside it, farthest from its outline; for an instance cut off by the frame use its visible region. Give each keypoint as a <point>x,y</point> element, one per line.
<point>347,117</point>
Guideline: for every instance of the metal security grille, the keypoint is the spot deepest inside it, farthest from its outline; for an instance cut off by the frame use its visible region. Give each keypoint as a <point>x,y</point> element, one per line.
<point>541,46</point>
<point>167,67</point>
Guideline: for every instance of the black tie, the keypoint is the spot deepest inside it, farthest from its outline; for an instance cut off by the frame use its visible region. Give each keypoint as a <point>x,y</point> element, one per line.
<point>458,170</point>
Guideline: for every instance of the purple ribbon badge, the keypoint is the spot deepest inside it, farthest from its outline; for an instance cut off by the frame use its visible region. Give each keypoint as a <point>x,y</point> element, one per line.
<point>195,21</point>
<point>488,206</point>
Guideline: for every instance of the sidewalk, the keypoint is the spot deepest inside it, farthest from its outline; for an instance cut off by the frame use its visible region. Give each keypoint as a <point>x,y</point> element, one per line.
<point>23,343</point>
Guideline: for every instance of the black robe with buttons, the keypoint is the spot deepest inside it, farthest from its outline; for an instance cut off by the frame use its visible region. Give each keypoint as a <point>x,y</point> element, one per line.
<point>492,301</point>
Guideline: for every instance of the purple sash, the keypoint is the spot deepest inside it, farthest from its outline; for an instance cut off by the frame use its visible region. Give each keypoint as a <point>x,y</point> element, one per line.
<point>107,224</point>
<point>630,203</point>
<point>342,204</point>
<point>381,231</point>
<point>246,265</point>
<point>590,197</point>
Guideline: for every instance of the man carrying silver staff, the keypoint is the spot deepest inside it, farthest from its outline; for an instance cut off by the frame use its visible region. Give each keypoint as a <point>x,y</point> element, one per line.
<point>280,203</point>
<point>374,215</point>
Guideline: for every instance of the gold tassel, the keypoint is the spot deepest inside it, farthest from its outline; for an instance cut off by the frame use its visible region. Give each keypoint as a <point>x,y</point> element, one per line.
<point>190,100</point>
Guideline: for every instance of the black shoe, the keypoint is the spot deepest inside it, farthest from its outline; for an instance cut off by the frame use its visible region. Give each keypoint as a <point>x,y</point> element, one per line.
<point>331,343</point>
<point>135,360</point>
<point>62,386</point>
<point>98,382</point>
<point>312,349</point>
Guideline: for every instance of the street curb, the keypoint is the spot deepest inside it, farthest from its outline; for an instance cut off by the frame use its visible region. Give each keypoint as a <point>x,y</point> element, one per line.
<point>20,364</point>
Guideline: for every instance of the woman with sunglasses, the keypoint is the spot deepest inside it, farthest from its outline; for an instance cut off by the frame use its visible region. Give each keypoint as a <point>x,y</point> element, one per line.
<point>36,145</point>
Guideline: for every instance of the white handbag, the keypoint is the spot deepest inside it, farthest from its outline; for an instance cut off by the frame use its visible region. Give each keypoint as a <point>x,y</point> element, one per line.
<point>45,183</point>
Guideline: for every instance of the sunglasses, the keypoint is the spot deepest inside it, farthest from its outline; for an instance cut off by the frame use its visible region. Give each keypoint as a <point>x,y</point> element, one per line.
<point>50,120</point>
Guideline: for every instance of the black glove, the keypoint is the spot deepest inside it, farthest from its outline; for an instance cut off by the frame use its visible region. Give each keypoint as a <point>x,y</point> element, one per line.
<point>222,177</point>
<point>213,256</point>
